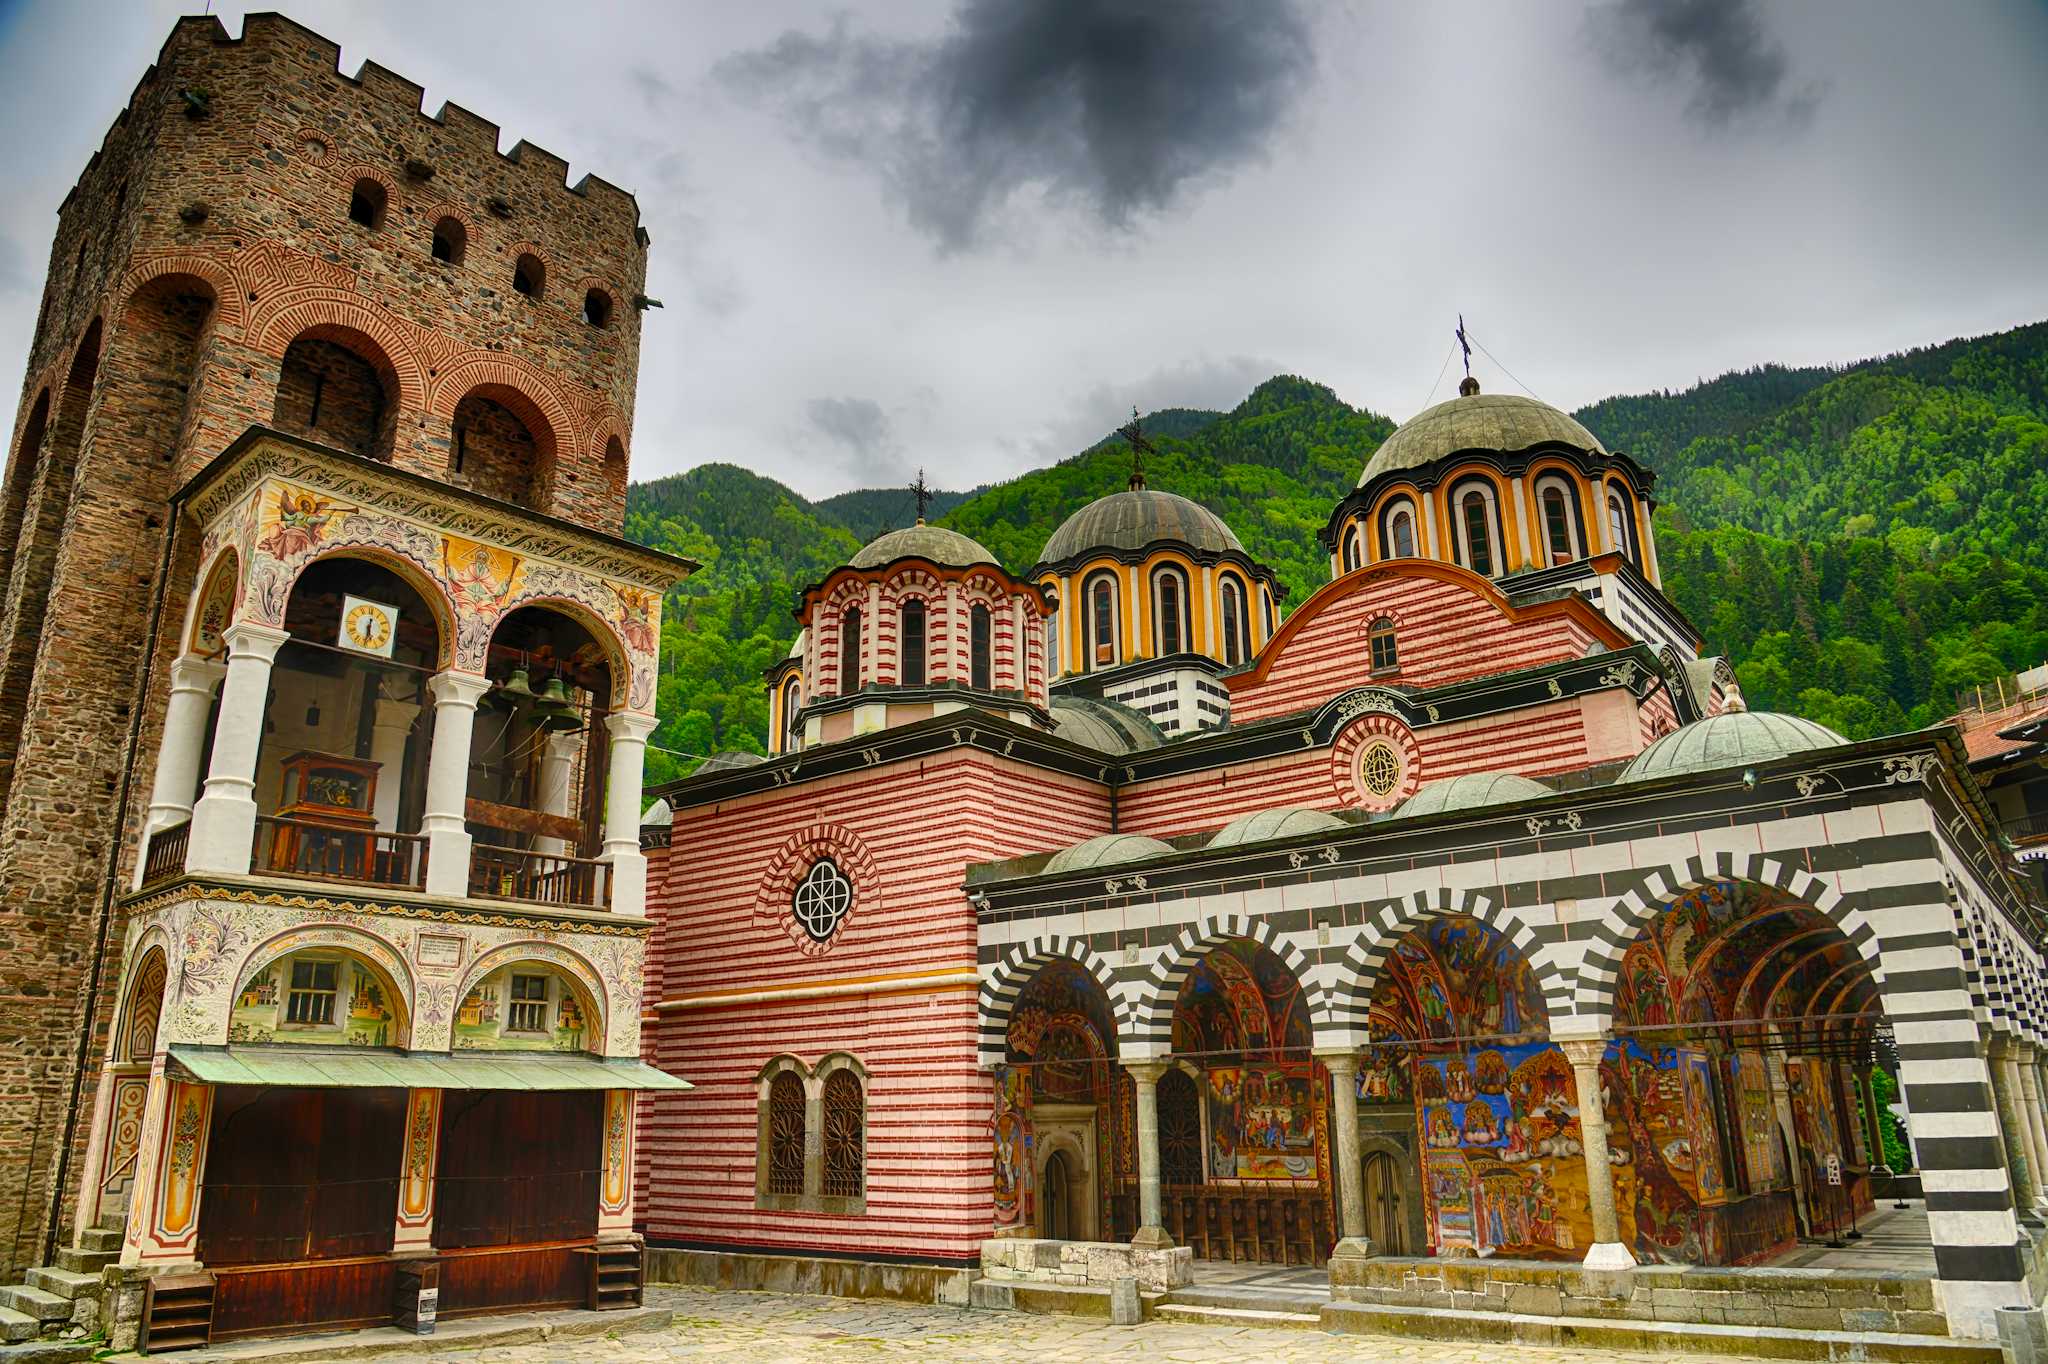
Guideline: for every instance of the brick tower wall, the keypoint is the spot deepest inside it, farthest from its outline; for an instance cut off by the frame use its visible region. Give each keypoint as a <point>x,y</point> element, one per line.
<point>191,256</point>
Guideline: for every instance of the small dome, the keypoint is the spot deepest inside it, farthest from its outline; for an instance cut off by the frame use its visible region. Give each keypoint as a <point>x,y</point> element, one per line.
<point>1137,518</point>
<point>1103,726</point>
<point>727,761</point>
<point>947,548</point>
<point>796,647</point>
<point>1471,792</point>
<point>1733,739</point>
<point>1281,823</point>
<point>658,816</point>
<point>1482,421</point>
<point>1107,851</point>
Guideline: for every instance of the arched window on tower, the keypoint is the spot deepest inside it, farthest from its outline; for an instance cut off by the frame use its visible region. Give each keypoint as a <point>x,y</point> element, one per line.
<point>451,242</point>
<point>1351,550</point>
<point>1379,636</point>
<point>913,643</point>
<point>1478,528</point>
<point>1560,524</point>
<point>1397,535</point>
<point>792,701</point>
<point>1620,526</point>
<point>980,652</point>
<point>1099,647</point>
<point>366,203</point>
<point>849,651</point>
<point>1170,610</point>
<point>1236,624</point>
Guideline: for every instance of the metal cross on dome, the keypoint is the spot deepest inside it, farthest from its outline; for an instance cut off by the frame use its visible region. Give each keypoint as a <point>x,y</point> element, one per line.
<point>923,493</point>
<point>1134,436</point>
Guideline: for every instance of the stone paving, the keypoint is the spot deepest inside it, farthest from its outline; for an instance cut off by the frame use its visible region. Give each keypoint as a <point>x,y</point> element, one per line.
<point>762,1327</point>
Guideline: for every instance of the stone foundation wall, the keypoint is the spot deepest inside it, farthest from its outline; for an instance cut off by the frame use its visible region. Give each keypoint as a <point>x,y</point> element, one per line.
<point>798,1274</point>
<point>1087,1264</point>
<point>1803,1299</point>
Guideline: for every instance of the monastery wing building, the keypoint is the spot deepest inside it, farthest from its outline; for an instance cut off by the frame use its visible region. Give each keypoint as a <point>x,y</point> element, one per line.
<point>327,680</point>
<point>1088,922</point>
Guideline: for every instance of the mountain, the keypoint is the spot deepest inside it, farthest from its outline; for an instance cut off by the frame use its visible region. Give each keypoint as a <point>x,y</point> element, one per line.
<point>1862,541</point>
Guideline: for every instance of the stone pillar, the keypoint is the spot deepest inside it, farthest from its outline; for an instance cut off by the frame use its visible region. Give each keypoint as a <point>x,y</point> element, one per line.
<point>1343,1067</point>
<point>2005,1093</point>
<point>1878,1164</point>
<point>622,810</point>
<point>1781,1106</point>
<point>1151,1229</point>
<point>455,696</point>
<point>1607,1251</point>
<point>2030,1115</point>
<point>392,727</point>
<point>557,762</point>
<point>224,820</point>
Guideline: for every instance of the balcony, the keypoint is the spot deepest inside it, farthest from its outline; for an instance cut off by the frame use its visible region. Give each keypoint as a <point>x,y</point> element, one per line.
<point>330,852</point>
<point>2028,829</point>
<point>539,878</point>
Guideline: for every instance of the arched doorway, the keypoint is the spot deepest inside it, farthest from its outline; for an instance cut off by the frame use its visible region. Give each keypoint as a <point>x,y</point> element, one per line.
<point>1067,1103</point>
<point>1740,1112</point>
<point>1058,1221</point>
<point>1461,1067</point>
<point>1386,1204</point>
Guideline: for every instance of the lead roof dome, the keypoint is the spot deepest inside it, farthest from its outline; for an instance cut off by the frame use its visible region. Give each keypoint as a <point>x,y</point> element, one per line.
<point>1731,739</point>
<point>1135,518</point>
<point>1478,421</point>
<point>946,548</point>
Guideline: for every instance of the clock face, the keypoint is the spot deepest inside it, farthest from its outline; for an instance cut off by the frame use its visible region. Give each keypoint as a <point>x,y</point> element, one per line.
<point>366,626</point>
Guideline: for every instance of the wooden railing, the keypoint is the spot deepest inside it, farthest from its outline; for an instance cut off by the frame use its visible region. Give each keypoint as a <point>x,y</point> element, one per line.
<point>165,855</point>
<point>331,852</point>
<point>2027,828</point>
<point>497,873</point>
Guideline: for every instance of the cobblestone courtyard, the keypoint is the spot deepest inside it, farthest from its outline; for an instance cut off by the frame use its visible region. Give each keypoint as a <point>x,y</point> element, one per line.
<point>760,1327</point>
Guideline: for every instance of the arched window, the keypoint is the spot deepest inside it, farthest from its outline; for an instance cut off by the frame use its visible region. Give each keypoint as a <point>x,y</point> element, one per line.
<point>1620,526</point>
<point>792,701</point>
<point>1099,650</point>
<point>981,665</point>
<point>845,1114</point>
<point>366,204</point>
<point>1477,528</point>
<point>1351,554</point>
<point>1397,537</point>
<point>529,275</point>
<point>784,1136</point>
<point>913,643</point>
<point>1052,646</point>
<point>597,308</point>
<point>849,651</point>
<point>1266,599</point>
<point>451,243</point>
<point>1169,611</point>
<point>1236,625</point>
<point>1560,525</point>
<point>1379,635</point>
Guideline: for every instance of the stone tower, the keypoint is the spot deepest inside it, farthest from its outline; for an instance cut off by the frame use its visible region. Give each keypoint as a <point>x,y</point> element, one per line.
<point>260,240</point>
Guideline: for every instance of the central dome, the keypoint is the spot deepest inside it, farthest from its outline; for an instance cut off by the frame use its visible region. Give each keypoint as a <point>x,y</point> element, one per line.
<point>946,548</point>
<point>1137,518</point>
<point>1480,421</point>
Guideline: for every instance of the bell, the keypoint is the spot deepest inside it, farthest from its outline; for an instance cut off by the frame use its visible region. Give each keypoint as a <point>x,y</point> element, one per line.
<point>519,689</point>
<point>554,712</point>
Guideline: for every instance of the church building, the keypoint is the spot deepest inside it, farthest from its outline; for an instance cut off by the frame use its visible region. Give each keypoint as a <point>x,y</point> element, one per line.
<point>1106,918</point>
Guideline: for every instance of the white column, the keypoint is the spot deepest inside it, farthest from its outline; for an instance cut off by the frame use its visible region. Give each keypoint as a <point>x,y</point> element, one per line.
<point>1429,526</point>
<point>224,820</point>
<point>455,697</point>
<point>557,760</point>
<point>392,727</point>
<point>622,810</point>
<point>177,758</point>
<point>1607,1251</point>
<point>1530,558</point>
<point>1781,1106</point>
<point>1145,1080</point>
<point>2029,1100</point>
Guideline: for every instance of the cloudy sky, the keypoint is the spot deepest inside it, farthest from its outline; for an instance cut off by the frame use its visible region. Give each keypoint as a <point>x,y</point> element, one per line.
<point>968,234</point>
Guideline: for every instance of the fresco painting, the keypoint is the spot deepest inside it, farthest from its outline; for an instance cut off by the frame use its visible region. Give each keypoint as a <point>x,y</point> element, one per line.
<point>490,1018</point>
<point>1010,1137</point>
<point>1062,1049</point>
<point>1262,1122</point>
<point>346,1005</point>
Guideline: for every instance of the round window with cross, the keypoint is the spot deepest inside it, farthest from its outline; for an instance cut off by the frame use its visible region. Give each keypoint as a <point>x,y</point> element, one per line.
<point>1379,767</point>
<point>821,900</point>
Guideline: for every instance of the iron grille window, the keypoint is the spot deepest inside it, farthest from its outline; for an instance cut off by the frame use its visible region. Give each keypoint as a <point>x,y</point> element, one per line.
<point>311,1000</point>
<point>786,1134</point>
<point>1386,655</point>
<point>978,627</point>
<point>528,1011</point>
<point>913,643</point>
<point>1180,1129</point>
<point>845,1136</point>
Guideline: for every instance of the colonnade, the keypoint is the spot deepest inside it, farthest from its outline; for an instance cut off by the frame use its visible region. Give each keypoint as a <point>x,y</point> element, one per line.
<point>221,839</point>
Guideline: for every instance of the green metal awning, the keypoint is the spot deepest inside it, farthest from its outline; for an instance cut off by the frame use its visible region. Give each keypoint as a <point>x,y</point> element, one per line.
<point>379,1068</point>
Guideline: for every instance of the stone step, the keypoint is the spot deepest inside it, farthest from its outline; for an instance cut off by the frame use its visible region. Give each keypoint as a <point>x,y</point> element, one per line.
<point>18,1325</point>
<point>35,1302</point>
<point>63,1282</point>
<point>100,1238</point>
<point>48,1352</point>
<point>1249,1298</point>
<point>1238,1316</point>
<point>1662,1338</point>
<point>86,1261</point>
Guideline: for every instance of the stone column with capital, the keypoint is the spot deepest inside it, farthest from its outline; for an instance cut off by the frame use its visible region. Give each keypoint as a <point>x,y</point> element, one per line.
<point>1878,1164</point>
<point>1151,1227</point>
<point>557,764</point>
<point>2005,1093</point>
<point>455,696</point>
<point>2030,1115</point>
<point>623,775</point>
<point>224,820</point>
<point>1343,1068</point>
<point>1607,1251</point>
<point>193,680</point>
<point>391,728</point>
<point>1781,1106</point>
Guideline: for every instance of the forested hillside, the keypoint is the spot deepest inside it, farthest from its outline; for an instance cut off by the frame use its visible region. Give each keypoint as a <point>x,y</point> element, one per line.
<point>1861,541</point>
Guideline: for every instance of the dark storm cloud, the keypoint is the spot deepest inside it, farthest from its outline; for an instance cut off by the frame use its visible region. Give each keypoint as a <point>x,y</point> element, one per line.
<point>1120,105</point>
<point>1736,69</point>
<point>863,430</point>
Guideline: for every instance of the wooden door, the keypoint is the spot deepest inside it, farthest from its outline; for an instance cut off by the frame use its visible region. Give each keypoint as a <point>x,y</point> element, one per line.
<point>1386,1211</point>
<point>1058,1201</point>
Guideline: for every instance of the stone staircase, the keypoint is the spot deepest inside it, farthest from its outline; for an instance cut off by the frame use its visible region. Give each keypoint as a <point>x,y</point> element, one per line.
<point>54,1316</point>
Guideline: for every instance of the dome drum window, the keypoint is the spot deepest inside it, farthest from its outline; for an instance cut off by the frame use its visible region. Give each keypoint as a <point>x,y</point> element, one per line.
<point>1099,650</point>
<point>1476,525</point>
<point>1620,526</point>
<point>1557,501</point>
<point>1170,595</point>
<point>1397,535</point>
<point>849,651</point>
<point>1237,645</point>
<point>821,900</point>
<point>912,644</point>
